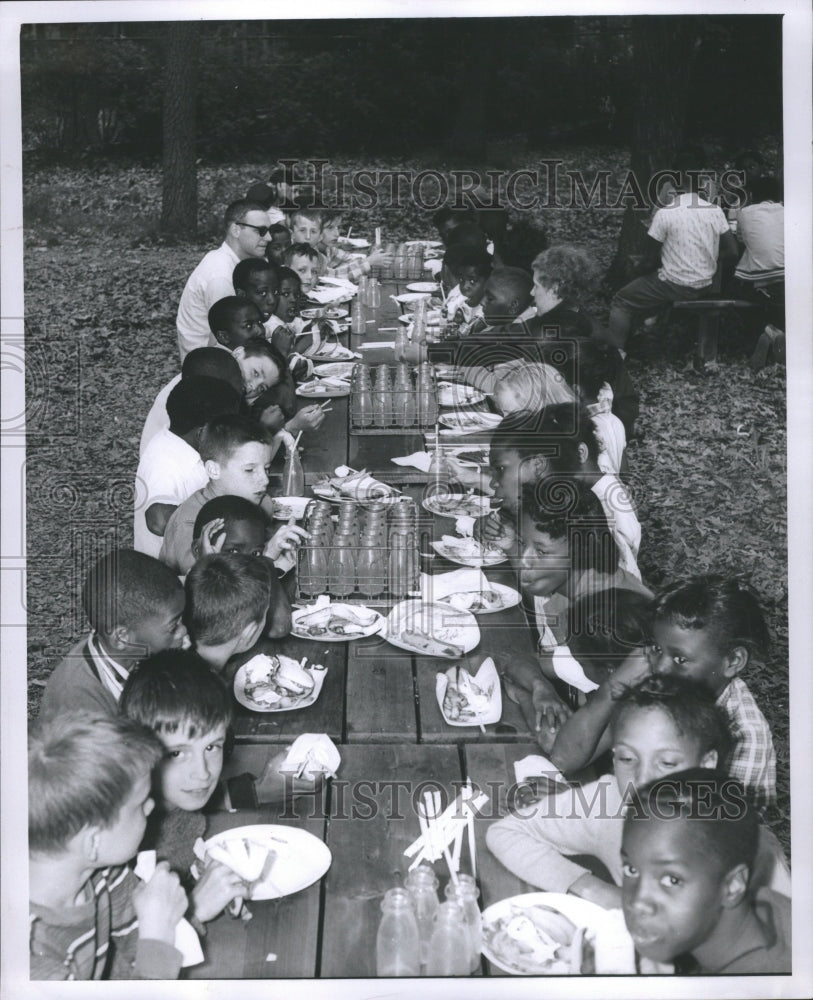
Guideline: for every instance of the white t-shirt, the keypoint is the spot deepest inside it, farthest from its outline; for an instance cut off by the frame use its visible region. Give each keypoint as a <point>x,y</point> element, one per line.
<point>624,525</point>
<point>612,439</point>
<point>157,418</point>
<point>208,283</point>
<point>762,228</point>
<point>690,230</point>
<point>169,471</point>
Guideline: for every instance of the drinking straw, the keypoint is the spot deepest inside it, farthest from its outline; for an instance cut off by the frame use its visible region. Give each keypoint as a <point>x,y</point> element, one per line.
<point>349,231</point>
<point>296,442</point>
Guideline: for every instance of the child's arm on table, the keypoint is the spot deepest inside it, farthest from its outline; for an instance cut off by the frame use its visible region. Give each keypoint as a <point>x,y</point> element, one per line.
<point>585,735</point>
<point>216,888</point>
<point>542,708</point>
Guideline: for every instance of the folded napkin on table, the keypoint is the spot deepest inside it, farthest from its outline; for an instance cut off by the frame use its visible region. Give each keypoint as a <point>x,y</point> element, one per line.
<point>459,581</point>
<point>464,525</point>
<point>537,766</point>
<point>420,460</point>
<point>186,939</point>
<point>316,751</point>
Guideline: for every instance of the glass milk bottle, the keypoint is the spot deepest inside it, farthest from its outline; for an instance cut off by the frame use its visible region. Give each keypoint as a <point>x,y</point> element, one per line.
<point>465,894</point>
<point>397,951</point>
<point>449,944</point>
<point>422,886</point>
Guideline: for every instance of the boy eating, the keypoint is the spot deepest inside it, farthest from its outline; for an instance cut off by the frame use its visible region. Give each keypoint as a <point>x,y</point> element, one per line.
<point>687,861</point>
<point>234,320</point>
<point>134,605</point>
<point>88,803</point>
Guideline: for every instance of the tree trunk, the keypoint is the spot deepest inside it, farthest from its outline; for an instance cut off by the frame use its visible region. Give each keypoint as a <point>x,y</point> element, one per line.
<point>179,201</point>
<point>663,50</point>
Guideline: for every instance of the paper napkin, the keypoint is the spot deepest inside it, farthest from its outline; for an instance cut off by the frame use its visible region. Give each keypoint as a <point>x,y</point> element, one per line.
<point>420,460</point>
<point>186,940</point>
<point>460,581</point>
<point>316,751</point>
<point>568,669</point>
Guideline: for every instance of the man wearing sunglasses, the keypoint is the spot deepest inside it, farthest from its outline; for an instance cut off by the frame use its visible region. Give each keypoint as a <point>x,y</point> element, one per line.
<point>246,225</point>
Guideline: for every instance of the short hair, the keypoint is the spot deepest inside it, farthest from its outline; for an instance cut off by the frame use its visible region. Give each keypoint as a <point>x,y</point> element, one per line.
<point>332,215</point>
<point>238,210</point>
<point>564,427</point>
<point>689,704</point>
<point>213,362</point>
<point>259,347</point>
<point>522,243</point>
<point>263,194</point>
<point>197,399</point>
<point>82,768</point>
<point>460,256</point>
<point>301,250</point>
<point>279,227</point>
<point>225,592</point>
<point>516,281</point>
<point>124,588</point>
<point>729,608</point>
<point>176,691</point>
<point>279,175</point>
<point>286,274</point>
<point>568,269</point>
<point>457,215</point>
<point>311,214</point>
<point>230,508</point>
<point>467,235</point>
<point>764,189</point>
<point>224,310</point>
<point>222,437</point>
<point>724,825</point>
<point>245,268</point>
<point>605,626</point>
<point>563,508</point>
<point>537,385</point>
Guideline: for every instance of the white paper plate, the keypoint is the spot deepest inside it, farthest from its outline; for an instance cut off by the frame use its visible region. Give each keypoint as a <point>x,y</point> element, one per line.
<point>441,622</point>
<point>339,353</point>
<point>509,598</point>
<point>373,629</point>
<point>339,369</point>
<point>493,558</point>
<point>579,911</point>
<point>322,390</point>
<point>311,313</point>
<point>301,857</point>
<point>303,701</point>
<point>457,505</point>
<point>423,286</point>
<point>424,243</point>
<point>406,297</point>
<point>487,679</point>
<point>325,492</point>
<point>291,507</point>
<point>458,394</point>
<point>354,241</point>
<point>469,423</point>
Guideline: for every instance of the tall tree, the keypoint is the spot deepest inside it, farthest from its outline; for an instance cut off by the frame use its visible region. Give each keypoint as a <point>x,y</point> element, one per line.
<point>663,53</point>
<point>179,201</point>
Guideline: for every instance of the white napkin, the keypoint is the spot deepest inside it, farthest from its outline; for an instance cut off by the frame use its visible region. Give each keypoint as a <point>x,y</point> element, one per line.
<point>464,525</point>
<point>433,266</point>
<point>420,460</point>
<point>317,751</point>
<point>568,669</point>
<point>372,345</point>
<point>537,766</point>
<point>186,939</point>
<point>614,948</point>
<point>459,581</point>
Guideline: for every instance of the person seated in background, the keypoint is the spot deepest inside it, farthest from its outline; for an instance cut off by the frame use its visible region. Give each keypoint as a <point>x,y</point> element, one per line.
<point>469,269</point>
<point>445,219</point>
<point>506,301</point>
<point>170,468</point>
<point>134,605</point>
<point>340,263</point>
<point>234,320</point>
<point>267,196</point>
<point>212,362</point>
<point>303,260</point>
<point>306,227</point>
<point>278,243</point>
<point>688,860</point>
<point>524,388</point>
<point>88,803</point>
<point>257,281</point>
<point>564,275</point>
<point>521,245</point>
<point>229,524</point>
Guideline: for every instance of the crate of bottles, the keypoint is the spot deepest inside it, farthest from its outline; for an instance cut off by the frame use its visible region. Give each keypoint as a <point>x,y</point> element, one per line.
<point>371,553</point>
<point>405,264</point>
<point>393,399</point>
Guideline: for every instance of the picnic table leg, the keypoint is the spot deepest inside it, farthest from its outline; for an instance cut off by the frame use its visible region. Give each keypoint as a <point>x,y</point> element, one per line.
<point>708,330</point>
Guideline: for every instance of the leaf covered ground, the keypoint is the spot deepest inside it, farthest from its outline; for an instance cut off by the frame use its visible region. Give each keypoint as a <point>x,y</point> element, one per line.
<point>101,294</point>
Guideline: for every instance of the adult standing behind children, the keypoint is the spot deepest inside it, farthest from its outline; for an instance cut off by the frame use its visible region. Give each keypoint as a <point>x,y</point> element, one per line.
<point>246,225</point>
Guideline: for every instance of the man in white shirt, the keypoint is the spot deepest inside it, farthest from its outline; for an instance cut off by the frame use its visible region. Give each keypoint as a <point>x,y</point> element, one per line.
<point>246,224</point>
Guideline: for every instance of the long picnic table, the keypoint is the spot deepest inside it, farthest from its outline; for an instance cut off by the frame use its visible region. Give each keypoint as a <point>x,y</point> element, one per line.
<point>379,705</point>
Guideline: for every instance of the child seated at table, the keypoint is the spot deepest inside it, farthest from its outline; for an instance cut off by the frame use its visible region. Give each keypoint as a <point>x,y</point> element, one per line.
<point>446,219</point>
<point>170,468</point>
<point>688,863</point>
<point>189,710</point>
<point>271,390</point>
<point>659,726</point>
<point>213,362</point>
<point>711,628</point>
<point>236,453</point>
<point>233,320</point>
<point>134,605</point>
<point>232,599</point>
<point>465,272</point>
<point>229,524</point>
<point>303,259</point>
<point>527,388</point>
<point>88,803</point>
<point>257,280</point>
<point>506,301</point>
<point>278,244</point>
<point>339,263</point>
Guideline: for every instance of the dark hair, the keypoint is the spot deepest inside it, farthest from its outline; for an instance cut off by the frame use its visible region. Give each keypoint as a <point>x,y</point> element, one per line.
<point>222,437</point>
<point>279,227</point>
<point>568,269</point>
<point>460,256</point>
<point>467,235</point>
<point>226,592</point>
<point>606,626</point>
<point>230,508</point>
<point>459,216</point>
<point>197,399</point>
<point>238,210</point>
<point>225,309</point>
<point>564,508</point>
<point>287,274</point>
<point>124,588</point>
<point>245,268</point>
<point>764,189</point>
<point>592,362</point>
<point>558,430</point>
<point>521,244</point>
<point>82,768</point>
<point>262,194</point>
<point>175,690</point>
<point>521,431</point>
<point>724,824</point>
<point>728,608</point>
<point>331,215</point>
<point>690,705</point>
<point>517,281</point>
<point>301,250</point>
<point>213,362</point>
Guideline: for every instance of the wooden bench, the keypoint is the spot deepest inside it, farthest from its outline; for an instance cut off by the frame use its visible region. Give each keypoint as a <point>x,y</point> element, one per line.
<point>708,312</point>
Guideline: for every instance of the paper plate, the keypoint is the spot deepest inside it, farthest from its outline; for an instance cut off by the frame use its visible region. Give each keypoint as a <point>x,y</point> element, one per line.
<point>310,609</point>
<point>423,286</point>
<point>338,353</point>
<point>292,704</point>
<point>287,507</point>
<point>470,422</point>
<point>336,312</point>
<point>493,557</point>
<point>458,394</point>
<point>424,243</point>
<point>508,598</point>
<point>439,621</point>
<point>406,297</point>
<point>322,389</point>
<point>457,505</point>
<point>354,241</point>
<point>488,680</point>
<point>301,858</point>
<point>339,369</point>
<point>310,313</point>
<point>578,911</point>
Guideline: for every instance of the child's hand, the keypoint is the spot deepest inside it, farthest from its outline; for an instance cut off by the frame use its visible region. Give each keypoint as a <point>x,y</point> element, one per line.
<point>272,418</point>
<point>217,887</point>
<point>379,256</point>
<point>465,474</point>
<point>159,904</point>
<point>272,785</point>
<point>285,540</point>
<point>631,672</point>
<point>551,711</point>
<point>309,418</point>
<point>208,546</point>
<point>495,531</point>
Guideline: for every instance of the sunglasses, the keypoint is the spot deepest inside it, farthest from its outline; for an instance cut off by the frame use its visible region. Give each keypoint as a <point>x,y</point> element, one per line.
<point>259,230</point>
